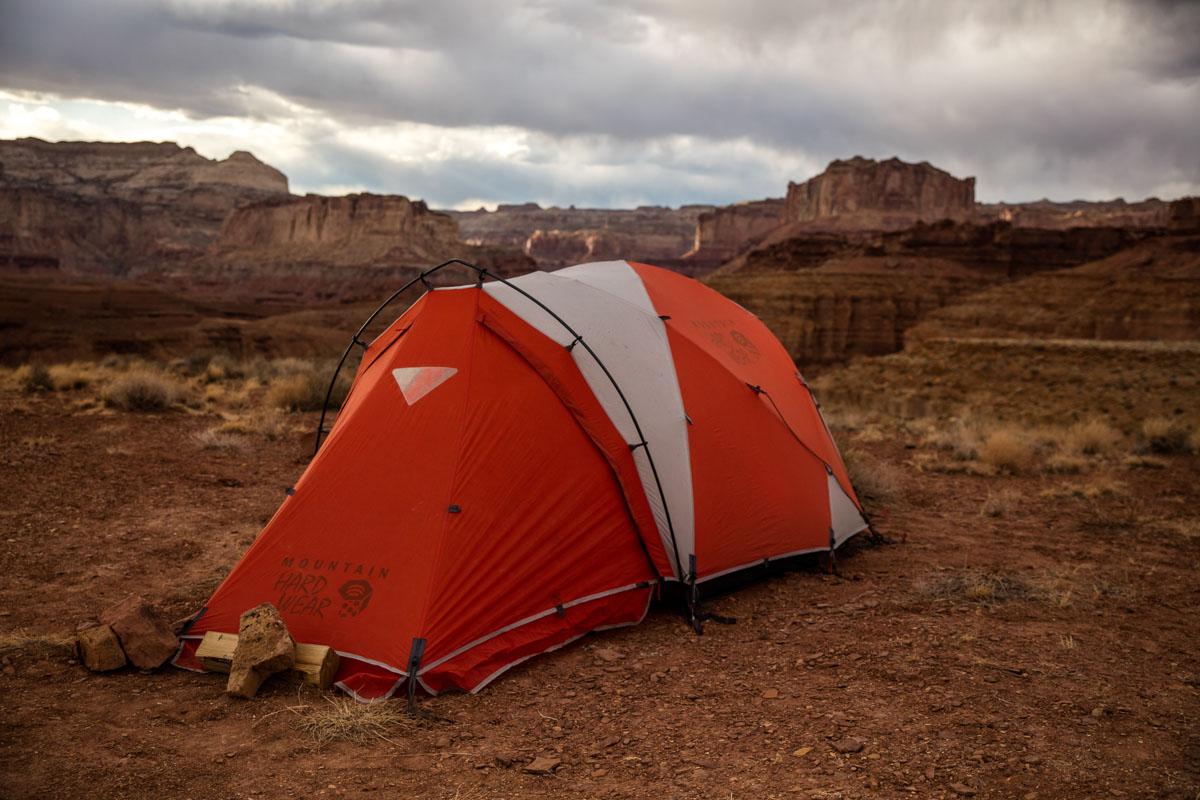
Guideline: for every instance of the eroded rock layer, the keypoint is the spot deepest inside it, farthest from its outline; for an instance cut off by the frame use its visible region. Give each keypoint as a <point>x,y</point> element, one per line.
<point>892,192</point>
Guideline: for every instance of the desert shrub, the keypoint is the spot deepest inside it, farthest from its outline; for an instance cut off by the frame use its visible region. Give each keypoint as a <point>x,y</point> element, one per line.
<point>999,503</point>
<point>960,439</point>
<point>1091,437</point>
<point>70,376</point>
<point>1006,449</point>
<point>33,378</point>
<point>875,481</point>
<point>1166,436</point>
<point>304,390</point>
<point>144,390</point>
<point>223,367</point>
<point>297,392</point>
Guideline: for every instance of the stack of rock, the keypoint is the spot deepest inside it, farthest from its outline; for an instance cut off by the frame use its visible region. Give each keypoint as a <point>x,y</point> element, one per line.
<point>133,631</point>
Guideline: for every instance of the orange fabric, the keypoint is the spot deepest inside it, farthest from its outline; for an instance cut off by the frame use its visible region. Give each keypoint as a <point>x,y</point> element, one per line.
<point>368,554</point>
<point>758,493</point>
<point>474,493</point>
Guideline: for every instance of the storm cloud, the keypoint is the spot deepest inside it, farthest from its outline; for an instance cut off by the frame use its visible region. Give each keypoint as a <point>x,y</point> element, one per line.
<point>630,101</point>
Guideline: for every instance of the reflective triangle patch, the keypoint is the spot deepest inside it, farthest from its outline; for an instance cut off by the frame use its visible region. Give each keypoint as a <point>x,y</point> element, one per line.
<point>416,382</point>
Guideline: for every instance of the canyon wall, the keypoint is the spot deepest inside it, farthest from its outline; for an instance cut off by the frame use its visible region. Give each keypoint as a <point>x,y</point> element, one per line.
<point>555,237</point>
<point>726,232</point>
<point>339,231</point>
<point>884,194</point>
<point>112,207</point>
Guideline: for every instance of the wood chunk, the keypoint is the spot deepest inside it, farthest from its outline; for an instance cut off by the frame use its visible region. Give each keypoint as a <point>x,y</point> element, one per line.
<point>316,664</point>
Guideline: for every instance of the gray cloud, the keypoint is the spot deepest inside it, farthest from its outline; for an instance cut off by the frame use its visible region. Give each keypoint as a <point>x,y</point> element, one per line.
<point>1036,98</point>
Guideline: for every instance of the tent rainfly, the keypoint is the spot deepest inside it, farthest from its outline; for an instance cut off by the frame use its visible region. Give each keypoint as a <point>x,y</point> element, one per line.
<point>522,461</point>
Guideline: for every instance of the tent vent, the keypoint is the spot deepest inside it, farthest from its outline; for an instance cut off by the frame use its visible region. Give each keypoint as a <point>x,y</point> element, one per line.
<point>455,509</point>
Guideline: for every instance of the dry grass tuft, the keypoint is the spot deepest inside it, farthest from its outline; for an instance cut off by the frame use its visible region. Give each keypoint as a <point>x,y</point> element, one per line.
<point>1060,589</point>
<point>1065,464</point>
<point>42,644</point>
<point>1007,449</point>
<point>1166,436</point>
<point>1145,462</point>
<point>144,390</point>
<point>217,439</point>
<point>266,423</point>
<point>1091,437</point>
<point>985,587</point>
<point>961,440</point>
<point>70,377</point>
<point>1093,489</point>
<point>1000,503</point>
<point>876,482</point>
<point>33,378</point>
<point>298,392</point>
<point>345,719</point>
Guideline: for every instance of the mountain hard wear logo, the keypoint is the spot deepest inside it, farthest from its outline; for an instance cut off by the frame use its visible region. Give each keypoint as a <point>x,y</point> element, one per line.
<point>355,594</point>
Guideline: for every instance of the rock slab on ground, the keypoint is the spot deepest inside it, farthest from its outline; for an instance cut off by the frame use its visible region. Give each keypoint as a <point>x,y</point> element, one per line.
<point>100,649</point>
<point>542,765</point>
<point>264,648</point>
<point>144,633</point>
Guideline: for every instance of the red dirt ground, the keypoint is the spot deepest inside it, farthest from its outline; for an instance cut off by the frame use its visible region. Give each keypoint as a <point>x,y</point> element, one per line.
<point>1084,689</point>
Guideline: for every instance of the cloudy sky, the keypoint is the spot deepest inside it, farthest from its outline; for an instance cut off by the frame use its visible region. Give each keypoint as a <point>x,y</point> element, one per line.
<point>624,102</point>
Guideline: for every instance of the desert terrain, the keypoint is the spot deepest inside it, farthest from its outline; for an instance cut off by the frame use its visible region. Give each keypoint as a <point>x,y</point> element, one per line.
<point>1015,387</point>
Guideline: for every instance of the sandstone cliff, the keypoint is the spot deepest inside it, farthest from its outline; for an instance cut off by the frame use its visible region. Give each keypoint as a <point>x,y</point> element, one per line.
<point>339,231</point>
<point>1151,213</point>
<point>1148,291</point>
<point>884,194</point>
<point>729,231</point>
<point>102,207</point>
<point>554,236</point>
<point>143,172</point>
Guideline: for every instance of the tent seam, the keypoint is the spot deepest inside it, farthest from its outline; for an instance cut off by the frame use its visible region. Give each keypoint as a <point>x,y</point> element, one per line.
<point>437,561</point>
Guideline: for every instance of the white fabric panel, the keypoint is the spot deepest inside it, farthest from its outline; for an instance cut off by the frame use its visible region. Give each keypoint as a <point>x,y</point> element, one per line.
<point>844,516</point>
<point>607,304</point>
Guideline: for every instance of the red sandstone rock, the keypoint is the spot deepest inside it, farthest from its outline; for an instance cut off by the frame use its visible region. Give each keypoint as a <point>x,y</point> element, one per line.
<point>145,634</point>
<point>99,649</point>
<point>729,231</point>
<point>264,648</point>
<point>882,189</point>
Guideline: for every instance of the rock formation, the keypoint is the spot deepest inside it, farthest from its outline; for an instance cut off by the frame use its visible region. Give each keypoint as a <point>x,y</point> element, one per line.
<point>552,249</point>
<point>884,194</point>
<point>144,172</point>
<point>1183,215</point>
<point>110,208</point>
<point>341,231</point>
<point>1151,213</point>
<point>729,231</point>
<point>649,233</point>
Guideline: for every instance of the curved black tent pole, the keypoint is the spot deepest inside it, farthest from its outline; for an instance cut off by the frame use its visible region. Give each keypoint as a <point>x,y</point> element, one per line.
<point>355,340</point>
<point>481,272</point>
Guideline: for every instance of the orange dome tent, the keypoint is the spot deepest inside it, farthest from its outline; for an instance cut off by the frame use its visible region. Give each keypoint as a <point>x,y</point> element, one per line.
<point>522,461</point>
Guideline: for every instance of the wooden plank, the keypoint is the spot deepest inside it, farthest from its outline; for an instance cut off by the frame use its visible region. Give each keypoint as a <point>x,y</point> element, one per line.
<point>316,664</point>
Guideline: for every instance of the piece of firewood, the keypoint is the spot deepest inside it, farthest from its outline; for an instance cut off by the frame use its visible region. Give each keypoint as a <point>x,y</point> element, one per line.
<point>316,664</point>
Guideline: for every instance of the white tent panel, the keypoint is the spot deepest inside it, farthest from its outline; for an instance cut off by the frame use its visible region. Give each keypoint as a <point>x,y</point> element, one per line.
<point>844,516</point>
<point>607,305</point>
